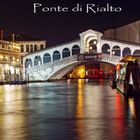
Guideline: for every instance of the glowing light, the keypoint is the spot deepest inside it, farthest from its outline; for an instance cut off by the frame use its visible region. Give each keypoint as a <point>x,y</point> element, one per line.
<point>1,56</point>
<point>7,67</point>
<point>29,66</point>
<point>13,58</point>
<point>113,52</point>
<point>70,75</point>
<point>6,57</point>
<point>81,73</point>
<point>90,47</point>
<point>12,69</point>
<point>39,63</point>
<point>94,42</point>
<point>118,66</point>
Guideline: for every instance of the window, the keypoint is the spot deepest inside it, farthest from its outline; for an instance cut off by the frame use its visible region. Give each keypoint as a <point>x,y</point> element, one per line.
<point>75,50</point>
<point>37,61</point>
<point>41,46</point>
<point>106,49</point>
<point>56,55</point>
<point>35,47</point>
<point>21,48</point>
<point>31,48</point>
<point>65,53</point>
<point>27,48</point>
<point>46,58</point>
<point>28,63</point>
<point>126,51</point>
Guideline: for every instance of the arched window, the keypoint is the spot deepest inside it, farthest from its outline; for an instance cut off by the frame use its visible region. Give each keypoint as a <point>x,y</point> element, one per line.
<point>22,48</point>
<point>28,63</point>
<point>136,52</point>
<point>93,46</point>
<point>41,46</point>
<point>106,49</point>
<point>27,48</point>
<point>65,53</point>
<point>35,47</point>
<point>56,55</point>
<point>37,60</point>
<point>126,51</point>
<point>75,50</point>
<point>46,58</point>
<point>116,51</point>
<point>31,48</point>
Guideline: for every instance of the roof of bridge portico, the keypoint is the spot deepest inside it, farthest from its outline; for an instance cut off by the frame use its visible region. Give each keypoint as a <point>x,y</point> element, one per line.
<point>120,41</point>
<point>90,32</point>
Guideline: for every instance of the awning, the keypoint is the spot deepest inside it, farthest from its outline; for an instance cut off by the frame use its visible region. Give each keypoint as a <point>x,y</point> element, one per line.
<point>130,58</point>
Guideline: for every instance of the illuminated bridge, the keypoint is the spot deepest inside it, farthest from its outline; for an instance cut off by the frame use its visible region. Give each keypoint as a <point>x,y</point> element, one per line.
<point>55,62</point>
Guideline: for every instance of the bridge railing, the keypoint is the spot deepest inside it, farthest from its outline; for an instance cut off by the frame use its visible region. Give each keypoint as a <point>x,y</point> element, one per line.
<point>65,60</point>
<point>112,58</point>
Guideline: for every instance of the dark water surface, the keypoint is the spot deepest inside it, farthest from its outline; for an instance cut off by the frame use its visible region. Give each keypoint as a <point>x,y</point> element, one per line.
<point>67,110</point>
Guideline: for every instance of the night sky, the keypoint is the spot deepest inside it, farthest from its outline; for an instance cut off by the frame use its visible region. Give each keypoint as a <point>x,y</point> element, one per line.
<point>16,16</point>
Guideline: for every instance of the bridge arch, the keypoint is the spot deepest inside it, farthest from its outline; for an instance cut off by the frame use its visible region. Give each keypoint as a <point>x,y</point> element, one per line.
<point>75,50</point>
<point>56,55</point>
<point>46,58</point>
<point>37,60</point>
<point>106,49</point>
<point>136,52</point>
<point>126,51</point>
<point>92,46</point>
<point>28,63</point>
<point>116,50</point>
<point>65,53</point>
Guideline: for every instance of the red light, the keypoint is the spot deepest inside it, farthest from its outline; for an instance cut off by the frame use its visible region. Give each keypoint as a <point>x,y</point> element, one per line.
<point>118,66</point>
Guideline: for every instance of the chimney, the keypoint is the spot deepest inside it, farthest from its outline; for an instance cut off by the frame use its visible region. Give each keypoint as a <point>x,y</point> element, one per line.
<point>13,37</point>
<point>1,34</point>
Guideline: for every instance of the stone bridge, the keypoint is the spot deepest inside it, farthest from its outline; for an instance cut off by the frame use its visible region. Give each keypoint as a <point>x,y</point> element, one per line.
<point>55,62</point>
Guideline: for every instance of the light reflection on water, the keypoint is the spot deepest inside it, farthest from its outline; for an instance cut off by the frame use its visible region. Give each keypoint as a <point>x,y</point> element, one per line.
<point>67,110</point>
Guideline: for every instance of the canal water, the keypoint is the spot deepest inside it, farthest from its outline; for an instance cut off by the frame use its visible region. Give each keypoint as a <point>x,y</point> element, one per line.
<point>67,110</point>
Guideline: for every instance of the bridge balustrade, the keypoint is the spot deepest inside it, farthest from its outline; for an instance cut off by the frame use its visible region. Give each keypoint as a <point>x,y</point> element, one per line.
<point>111,58</point>
<point>65,60</point>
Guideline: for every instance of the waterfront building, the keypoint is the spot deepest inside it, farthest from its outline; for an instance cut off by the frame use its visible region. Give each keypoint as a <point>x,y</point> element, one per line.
<point>10,61</point>
<point>31,46</point>
<point>129,32</point>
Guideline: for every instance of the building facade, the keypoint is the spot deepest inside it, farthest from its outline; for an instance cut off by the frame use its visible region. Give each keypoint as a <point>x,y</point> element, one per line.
<point>129,32</point>
<point>31,46</point>
<point>10,61</point>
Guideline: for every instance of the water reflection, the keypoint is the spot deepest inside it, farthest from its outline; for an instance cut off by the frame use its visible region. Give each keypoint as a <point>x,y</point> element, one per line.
<point>72,110</point>
<point>131,104</point>
<point>80,110</point>
<point>13,118</point>
<point>119,118</point>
